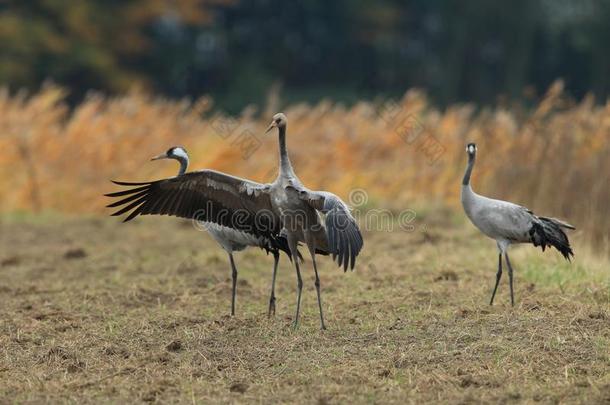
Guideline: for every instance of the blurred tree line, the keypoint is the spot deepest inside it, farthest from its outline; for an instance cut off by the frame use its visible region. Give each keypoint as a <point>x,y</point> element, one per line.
<point>235,50</point>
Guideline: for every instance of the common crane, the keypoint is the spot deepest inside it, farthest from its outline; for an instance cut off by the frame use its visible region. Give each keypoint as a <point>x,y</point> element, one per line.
<point>229,238</point>
<point>510,223</point>
<point>282,209</point>
<point>298,210</point>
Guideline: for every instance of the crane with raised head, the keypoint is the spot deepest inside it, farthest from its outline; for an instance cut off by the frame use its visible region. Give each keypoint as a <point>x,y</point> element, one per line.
<point>509,223</point>
<point>298,210</point>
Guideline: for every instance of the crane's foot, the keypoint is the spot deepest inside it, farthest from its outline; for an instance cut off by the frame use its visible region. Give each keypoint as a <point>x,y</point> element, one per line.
<point>322,324</point>
<point>271,311</point>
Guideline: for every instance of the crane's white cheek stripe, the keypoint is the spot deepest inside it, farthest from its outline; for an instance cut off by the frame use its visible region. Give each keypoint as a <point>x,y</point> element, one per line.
<point>179,152</point>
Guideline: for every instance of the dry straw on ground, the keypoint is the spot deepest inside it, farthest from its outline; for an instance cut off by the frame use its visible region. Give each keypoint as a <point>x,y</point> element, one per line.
<point>553,158</point>
<point>142,316</point>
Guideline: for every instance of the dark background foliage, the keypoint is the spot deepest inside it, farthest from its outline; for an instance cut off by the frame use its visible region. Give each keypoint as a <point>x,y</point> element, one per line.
<point>473,51</point>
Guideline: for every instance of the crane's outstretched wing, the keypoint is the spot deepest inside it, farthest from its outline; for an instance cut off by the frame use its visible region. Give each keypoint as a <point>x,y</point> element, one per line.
<point>344,237</point>
<point>206,196</point>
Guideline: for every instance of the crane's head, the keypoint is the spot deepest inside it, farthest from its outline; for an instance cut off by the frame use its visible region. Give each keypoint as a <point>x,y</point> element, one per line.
<point>175,152</point>
<point>279,121</point>
<point>471,149</point>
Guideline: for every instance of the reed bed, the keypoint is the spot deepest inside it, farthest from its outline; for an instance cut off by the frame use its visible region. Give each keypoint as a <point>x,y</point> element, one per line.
<point>553,157</point>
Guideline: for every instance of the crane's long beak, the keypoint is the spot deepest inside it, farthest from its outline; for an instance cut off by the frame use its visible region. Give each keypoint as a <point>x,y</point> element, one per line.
<point>161,156</point>
<point>273,125</point>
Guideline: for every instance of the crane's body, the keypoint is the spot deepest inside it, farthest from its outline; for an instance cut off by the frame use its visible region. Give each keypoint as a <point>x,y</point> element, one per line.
<point>233,240</point>
<point>509,223</point>
<point>500,220</point>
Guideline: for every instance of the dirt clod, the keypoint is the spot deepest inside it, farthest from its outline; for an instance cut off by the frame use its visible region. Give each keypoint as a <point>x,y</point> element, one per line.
<point>468,381</point>
<point>117,351</point>
<point>397,325</point>
<point>174,346</point>
<point>597,315</point>
<point>428,237</point>
<point>463,313</point>
<point>384,373</point>
<point>447,275</point>
<point>238,387</point>
<point>323,401</point>
<point>77,253</point>
<point>10,261</point>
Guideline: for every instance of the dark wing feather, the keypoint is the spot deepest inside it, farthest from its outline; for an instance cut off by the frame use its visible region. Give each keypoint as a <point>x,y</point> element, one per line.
<point>128,183</point>
<point>344,237</point>
<point>207,196</point>
<point>126,192</point>
<point>129,207</point>
<point>127,199</point>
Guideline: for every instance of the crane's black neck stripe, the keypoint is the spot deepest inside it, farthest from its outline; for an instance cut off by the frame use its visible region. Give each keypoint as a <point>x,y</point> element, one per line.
<point>466,179</point>
<point>184,164</point>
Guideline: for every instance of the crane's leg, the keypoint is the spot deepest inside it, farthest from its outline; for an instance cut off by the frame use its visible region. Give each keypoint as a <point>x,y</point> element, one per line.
<point>510,278</point>
<point>276,259</point>
<point>234,276</point>
<point>498,277</point>
<point>292,243</point>
<point>317,283</point>
<point>312,251</point>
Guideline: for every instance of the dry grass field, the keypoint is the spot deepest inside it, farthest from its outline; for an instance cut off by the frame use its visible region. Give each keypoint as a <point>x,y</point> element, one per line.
<point>98,311</point>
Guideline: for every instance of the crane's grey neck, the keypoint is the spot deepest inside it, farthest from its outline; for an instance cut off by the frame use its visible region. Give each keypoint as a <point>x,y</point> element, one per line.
<point>466,179</point>
<point>285,165</point>
<point>184,164</point>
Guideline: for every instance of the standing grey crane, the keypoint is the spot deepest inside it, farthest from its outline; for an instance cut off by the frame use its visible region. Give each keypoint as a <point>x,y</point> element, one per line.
<point>510,223</point>
<point>298,210</point>
<point>282,209</point>
<point>230,239</point>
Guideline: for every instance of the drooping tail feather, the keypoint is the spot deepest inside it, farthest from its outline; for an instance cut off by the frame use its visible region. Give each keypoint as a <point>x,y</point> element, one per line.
<point>558,222</point>
<point>548,232</point>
